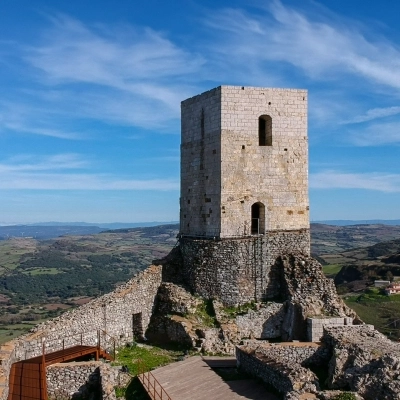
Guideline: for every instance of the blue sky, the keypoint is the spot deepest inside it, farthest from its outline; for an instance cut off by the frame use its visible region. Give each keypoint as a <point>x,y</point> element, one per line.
<point>91,91</point>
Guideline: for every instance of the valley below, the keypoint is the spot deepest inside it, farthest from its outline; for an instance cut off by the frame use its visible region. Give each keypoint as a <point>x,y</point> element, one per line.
<point>41,278</point>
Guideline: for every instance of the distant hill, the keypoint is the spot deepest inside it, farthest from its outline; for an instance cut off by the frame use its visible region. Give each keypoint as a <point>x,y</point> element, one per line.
<point>49,230</point>
<point>45,232</point>
<point>344,222</point>
<point>361,267</point>
<point>47,269</point>
<point>334,239</point>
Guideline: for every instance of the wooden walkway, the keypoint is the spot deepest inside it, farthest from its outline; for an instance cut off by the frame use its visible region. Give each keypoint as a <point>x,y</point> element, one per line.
<point>28,377</point>
<point>194,379</point>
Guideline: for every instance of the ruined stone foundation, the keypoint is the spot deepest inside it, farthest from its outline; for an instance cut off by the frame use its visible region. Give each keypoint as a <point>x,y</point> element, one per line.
<point>239,270</point>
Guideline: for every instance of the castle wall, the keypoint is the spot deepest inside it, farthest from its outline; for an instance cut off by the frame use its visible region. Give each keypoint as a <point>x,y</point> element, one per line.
<point>225,169</point>
<point>239,270</point>
<point>84,380</point>
<point>275,175</point>
<point>117,315</point>
<point>201,165</point>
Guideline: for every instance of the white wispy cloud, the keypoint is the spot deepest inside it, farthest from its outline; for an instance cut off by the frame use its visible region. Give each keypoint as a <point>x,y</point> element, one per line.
<point>124,75</point>
<point>343,180</point>
<point>376,134</point>
<point>28,181</point>
<point>374,113</point>
<point>35,118</point>
<point>322,48</point>
<point>43,163</point>
<point>54,173</point>
<point>137,61</point>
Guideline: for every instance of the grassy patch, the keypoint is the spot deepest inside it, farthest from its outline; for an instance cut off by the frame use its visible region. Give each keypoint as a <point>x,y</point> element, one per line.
<point>205,311</point>
<point>379,310</point>
<point>151,357</point>
<point>240,310</point>
<point>331,270</point>
<point>345,396</point>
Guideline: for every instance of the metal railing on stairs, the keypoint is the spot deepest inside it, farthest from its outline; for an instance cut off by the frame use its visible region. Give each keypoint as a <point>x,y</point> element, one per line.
<point>151,384</point>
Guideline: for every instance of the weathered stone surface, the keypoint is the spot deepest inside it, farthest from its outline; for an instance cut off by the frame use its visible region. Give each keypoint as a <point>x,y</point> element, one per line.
<point>308,293</point>
<point>364,361</point>
<point>265,323</point>
<point>85,380</point>
<point>174,299</point>
<point>241,270</point>
<point>283,366</point>
<point>225,169</point>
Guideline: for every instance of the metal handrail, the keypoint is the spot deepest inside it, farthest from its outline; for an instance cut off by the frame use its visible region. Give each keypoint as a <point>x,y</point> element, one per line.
<point>78,338</point>
<point>114,340</point>
<point>151,384</point>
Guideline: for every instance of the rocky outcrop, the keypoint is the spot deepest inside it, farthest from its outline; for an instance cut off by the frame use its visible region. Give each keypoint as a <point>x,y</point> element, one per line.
<point>308,293</point>
<point>364,361</point>
<point>208,325</point>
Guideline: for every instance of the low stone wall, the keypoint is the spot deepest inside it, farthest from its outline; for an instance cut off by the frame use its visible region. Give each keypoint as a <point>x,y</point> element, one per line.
<point>85,380</point>
<point>281,365</point>
<point>265,323</point>
<point>315,326</point>
<point>117,316</point>
<point>238,271</point>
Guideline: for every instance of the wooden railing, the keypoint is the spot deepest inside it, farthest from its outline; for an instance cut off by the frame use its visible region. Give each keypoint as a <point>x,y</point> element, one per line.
<point>151,384</point>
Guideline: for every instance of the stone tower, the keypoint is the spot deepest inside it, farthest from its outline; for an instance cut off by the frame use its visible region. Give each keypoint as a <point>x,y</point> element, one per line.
<point>244,189</point>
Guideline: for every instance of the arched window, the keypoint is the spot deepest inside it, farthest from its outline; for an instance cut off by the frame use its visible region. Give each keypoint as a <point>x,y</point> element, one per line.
<point>257,219</point>
<point>265,130</point>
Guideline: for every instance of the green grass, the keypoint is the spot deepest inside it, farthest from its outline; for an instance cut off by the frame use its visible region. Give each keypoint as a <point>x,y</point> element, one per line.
<point>205,311</point>
<point>379,310</point>
<point>331,270</point>
<point>240,310</point>
<point>345,396</point>
<point>150,357</point>
<point>15,331</point>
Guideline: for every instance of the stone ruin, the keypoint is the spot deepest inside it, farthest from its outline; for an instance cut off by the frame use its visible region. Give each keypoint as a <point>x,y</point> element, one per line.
<point>241,276</point>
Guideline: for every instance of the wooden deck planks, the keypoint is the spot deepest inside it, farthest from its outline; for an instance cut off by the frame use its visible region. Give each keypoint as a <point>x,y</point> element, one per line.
<point>194,379</point>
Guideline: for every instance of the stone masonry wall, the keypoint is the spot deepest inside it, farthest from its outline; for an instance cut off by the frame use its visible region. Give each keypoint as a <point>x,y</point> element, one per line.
<point>282,365</point>
<point>239,271</point>
<point>201,165</point>
<point>225,169</point>
<point>315,326</point>
<point>85,380</point>
<point>275,175</point>
<point>117,315</point>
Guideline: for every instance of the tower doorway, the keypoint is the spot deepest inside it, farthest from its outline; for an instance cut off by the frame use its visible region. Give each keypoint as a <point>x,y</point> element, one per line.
<point>257,219</point>
<point>137,326</point>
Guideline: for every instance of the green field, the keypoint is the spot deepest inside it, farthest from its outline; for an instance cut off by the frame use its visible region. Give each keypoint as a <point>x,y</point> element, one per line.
<point>379,310</point>
<point>331,270</point>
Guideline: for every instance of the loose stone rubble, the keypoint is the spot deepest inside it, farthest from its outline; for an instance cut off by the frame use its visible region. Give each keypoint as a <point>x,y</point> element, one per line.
<point>284,365</point>
<point>364,361</point>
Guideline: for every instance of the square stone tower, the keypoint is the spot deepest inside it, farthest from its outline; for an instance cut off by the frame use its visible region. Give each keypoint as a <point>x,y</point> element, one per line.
<point>244,190</point>
<point>244,162</point>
